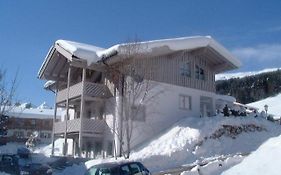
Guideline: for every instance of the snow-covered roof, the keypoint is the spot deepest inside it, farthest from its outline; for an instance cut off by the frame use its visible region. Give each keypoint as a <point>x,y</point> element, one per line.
<point>44,105</point>
<point>225,98</point>
<point>49,83</point>
<point>93,54</point>
<point>80,50</point>
<point>37,113</point>
<point>172,45</point>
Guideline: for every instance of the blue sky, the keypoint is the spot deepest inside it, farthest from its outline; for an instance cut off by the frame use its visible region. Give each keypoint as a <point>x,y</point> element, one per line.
<point>250,29</point>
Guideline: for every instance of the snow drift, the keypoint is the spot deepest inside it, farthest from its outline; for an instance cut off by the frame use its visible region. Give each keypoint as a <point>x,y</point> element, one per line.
<point>262,161</point>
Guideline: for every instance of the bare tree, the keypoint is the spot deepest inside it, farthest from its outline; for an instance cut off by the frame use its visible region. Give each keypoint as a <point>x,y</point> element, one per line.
<point>132,81</point>
<point>7,94</point>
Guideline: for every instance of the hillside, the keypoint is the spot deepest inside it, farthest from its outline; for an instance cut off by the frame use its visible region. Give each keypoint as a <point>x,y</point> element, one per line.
<point>251,87</point>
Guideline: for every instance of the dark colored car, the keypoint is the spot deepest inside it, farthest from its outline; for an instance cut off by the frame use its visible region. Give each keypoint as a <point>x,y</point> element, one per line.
<point>118,168</point>
<point>35,169</point>
<point>9,163</point>
<point>23,152</point>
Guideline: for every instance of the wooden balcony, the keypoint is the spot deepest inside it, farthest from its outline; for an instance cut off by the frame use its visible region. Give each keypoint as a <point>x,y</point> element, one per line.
<point>89,126</point>
<point>90,89</point>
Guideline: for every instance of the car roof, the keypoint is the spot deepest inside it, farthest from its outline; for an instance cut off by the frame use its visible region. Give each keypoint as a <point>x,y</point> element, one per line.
<point>112,164</point>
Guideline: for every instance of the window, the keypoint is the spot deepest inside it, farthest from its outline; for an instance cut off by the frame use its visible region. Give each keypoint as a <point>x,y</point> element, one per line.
<point>33,122</point>
<point>202,74</point>
<point>109,148</point>
<point>185,102</point>
<point>185,69</point>
<point>19,134</point>
<point>199,73</point>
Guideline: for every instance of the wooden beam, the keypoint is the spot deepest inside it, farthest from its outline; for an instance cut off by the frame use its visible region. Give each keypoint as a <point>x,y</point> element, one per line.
<point>67,111</point>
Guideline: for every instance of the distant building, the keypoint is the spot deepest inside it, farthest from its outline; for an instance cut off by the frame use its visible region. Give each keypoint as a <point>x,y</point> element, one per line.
<point>23,122</point>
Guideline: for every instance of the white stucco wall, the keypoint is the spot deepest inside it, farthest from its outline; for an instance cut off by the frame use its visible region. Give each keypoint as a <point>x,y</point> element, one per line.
<point>163,110</point>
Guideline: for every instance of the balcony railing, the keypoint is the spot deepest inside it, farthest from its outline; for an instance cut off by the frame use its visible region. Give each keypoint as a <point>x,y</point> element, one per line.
<point>90,89</point>
<point>88,126</point>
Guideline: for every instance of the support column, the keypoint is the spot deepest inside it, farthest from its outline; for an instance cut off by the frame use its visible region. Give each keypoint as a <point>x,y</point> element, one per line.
<point>67,111</point>
<point>82,112</point>
<point>54,121</point>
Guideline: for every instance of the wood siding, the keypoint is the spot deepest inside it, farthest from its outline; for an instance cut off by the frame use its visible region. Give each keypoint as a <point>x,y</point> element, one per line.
<point>167,69</point>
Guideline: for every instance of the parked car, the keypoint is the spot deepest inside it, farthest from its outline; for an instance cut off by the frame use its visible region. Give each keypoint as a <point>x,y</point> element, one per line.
<point>118,168</point>
<point>9,163</point>
<point>23,152</point>
<point>35,169</point>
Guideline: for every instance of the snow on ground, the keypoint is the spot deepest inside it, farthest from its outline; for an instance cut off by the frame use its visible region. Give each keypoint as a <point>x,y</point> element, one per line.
<point>274,105</point>
<point>3,173</point>
<point>188,141</point>
<point>227,76</point>
<point>214,167</point>
<point>47,150</point>
<point>194,140</point>
<point>263,161</point>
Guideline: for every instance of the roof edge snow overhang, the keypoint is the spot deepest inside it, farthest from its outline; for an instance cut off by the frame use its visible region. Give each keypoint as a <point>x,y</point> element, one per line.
<point>71,53</point>
<point>114,53</point>
<point>50,56</point>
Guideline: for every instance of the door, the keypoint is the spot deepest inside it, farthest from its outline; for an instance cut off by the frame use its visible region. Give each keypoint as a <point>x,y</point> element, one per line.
<point>206,106</point>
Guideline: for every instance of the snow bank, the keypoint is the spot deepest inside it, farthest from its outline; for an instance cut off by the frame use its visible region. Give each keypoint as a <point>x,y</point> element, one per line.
<point>274,105</point>
<point>262,161</point>
<point>227,76</point>
<point>47,149</point>
<point>190,140</point>
<point>215,167</point>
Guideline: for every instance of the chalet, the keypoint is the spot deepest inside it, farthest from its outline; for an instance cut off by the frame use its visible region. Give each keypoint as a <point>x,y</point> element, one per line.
<point>95,86</point>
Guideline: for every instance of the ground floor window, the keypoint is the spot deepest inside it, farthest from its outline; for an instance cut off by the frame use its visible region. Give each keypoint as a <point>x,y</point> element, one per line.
<point>109,150</point>
<point>185,102</point>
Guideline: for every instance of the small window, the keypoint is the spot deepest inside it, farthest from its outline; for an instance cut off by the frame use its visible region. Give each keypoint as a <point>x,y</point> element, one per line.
<point>33,122</point>
<point>197,72</point>
<point>202,74</point>
<point>185,69</point>
<point>185,102</point>
<point>109,148</point>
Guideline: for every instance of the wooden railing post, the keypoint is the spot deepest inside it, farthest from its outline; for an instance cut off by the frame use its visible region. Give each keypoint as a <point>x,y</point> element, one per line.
<point>82,111</point>
<point>54,121</point>
<point>67,110</point>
